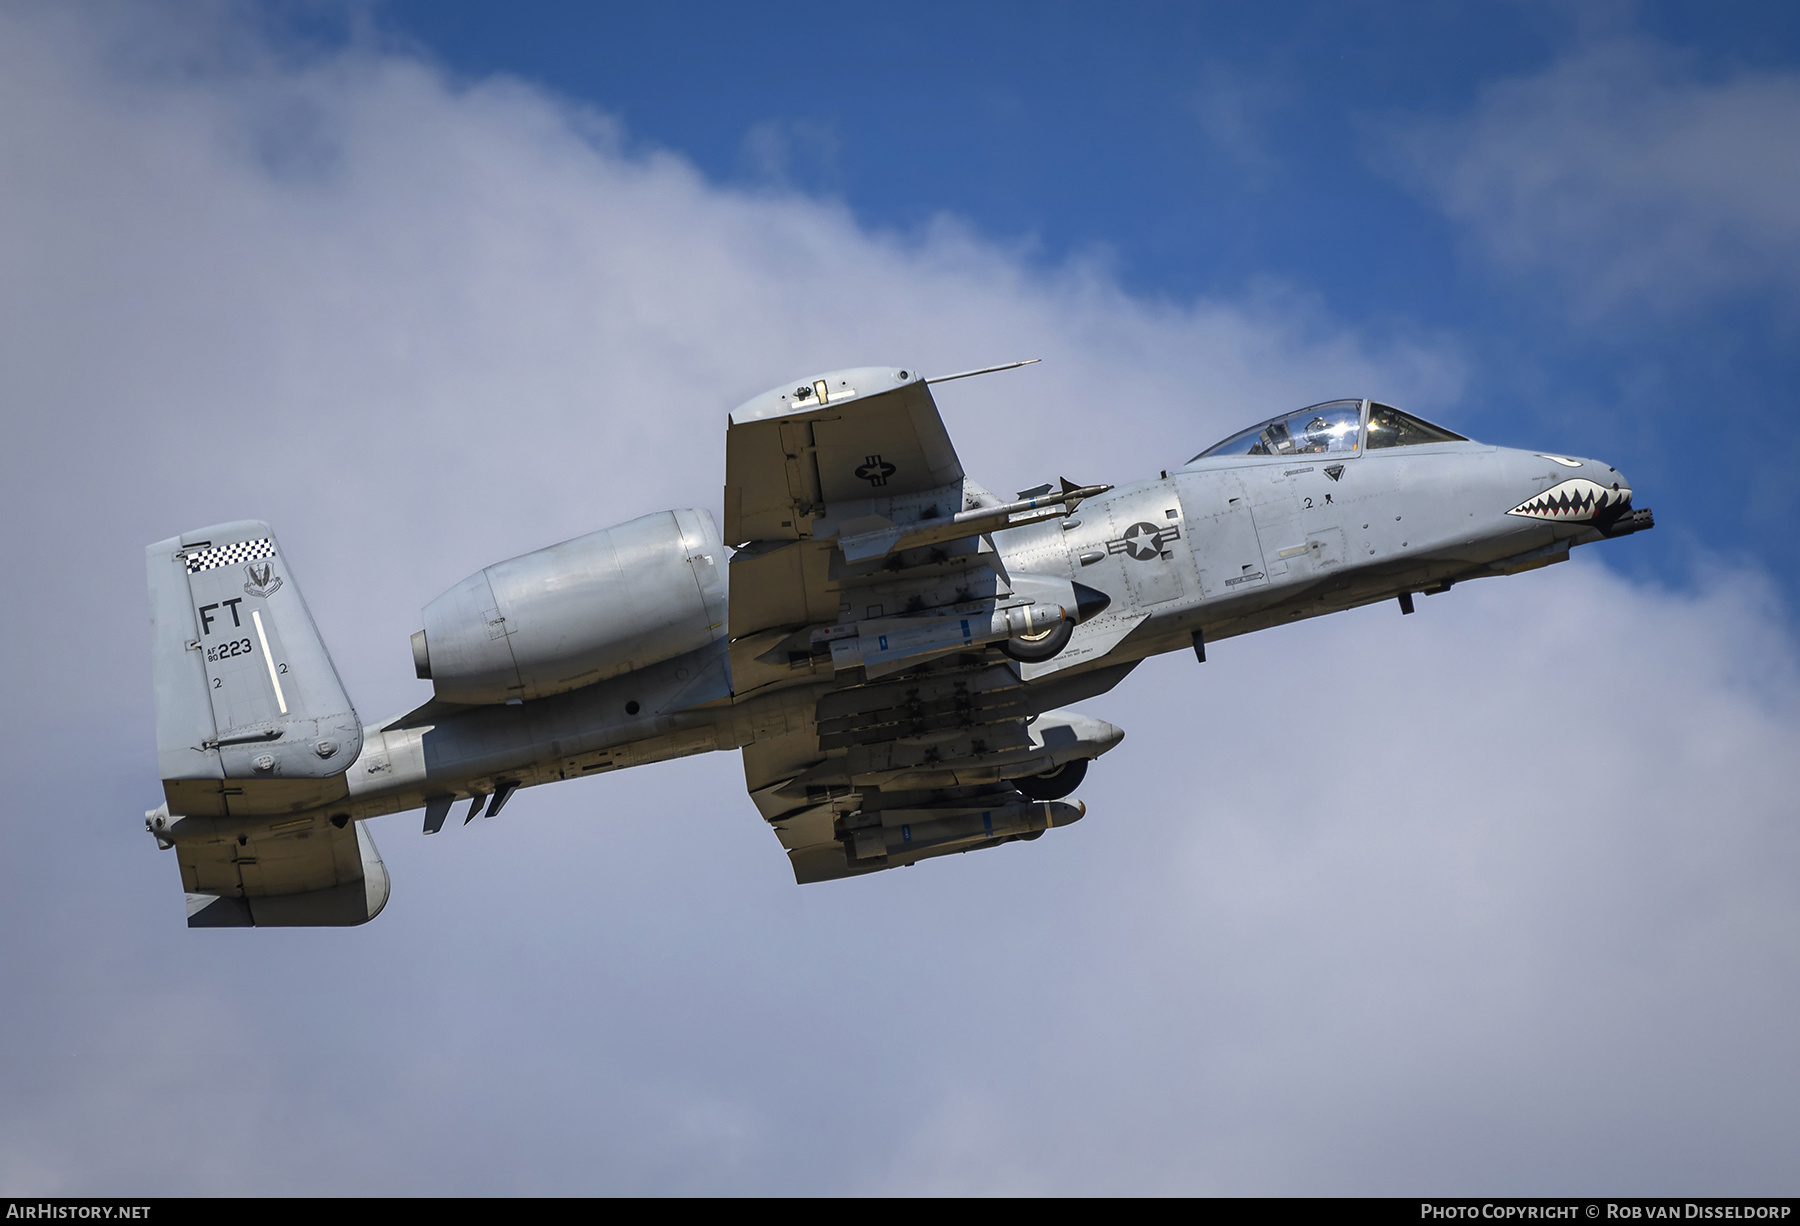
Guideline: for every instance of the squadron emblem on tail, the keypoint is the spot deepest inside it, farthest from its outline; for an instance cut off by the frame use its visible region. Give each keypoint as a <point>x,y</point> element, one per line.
<point>264,582</point>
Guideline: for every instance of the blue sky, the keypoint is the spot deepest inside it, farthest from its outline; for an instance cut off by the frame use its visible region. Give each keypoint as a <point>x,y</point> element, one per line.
<point>1214,150</point>
<point>1503,897</point>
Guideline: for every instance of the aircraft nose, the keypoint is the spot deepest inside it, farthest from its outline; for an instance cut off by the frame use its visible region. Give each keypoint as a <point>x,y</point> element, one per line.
<point>1612,511</point>
<point>1574,490</point>
<point>1585,492</point>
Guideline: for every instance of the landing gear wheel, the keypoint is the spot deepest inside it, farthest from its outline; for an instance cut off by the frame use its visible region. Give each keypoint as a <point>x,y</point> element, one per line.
<point>1054,784</point>
<point>1032,648</point>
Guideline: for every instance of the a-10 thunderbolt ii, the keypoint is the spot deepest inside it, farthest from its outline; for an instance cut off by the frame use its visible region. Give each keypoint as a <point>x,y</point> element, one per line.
<point>892,647</point>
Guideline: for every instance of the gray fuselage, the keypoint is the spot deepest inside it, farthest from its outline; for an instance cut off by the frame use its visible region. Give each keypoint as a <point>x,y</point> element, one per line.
<point>1222,547</point>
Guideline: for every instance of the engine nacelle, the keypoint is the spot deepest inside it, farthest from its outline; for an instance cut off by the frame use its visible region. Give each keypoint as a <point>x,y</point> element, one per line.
<point>579,612</point>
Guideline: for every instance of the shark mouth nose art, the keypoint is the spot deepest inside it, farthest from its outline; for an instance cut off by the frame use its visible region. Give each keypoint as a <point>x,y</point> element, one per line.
<point>1574,500</point>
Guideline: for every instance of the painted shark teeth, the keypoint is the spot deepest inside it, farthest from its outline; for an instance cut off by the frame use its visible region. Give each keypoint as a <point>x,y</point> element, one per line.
<point>1572,501</point>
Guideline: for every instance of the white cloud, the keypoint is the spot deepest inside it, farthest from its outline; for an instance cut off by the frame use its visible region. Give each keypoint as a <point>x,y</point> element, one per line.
<point>1501,896</point>
<point>1498,896</point>
<point>1629,176</point>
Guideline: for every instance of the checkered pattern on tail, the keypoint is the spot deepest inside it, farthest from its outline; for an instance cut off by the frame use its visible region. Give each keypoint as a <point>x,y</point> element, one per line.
<point>225,555</point>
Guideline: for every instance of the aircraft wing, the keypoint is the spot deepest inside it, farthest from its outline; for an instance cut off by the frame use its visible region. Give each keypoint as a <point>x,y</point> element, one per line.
<point>875,776</point>
<point>821,459</point>
<point>845,503</point>
<point>847,436</point>
<point>819,753</point>
<point>865,594</point>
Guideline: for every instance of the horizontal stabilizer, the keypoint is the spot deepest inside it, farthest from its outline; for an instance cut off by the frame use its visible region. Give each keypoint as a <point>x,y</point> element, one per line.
<point>318,877</point>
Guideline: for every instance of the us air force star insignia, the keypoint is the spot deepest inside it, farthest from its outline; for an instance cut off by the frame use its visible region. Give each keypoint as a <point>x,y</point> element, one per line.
<point>875,470</point>
<point>263,579</point>
<point>1334,471</point>
<point>1141,543</point>
<point>1144,542</point>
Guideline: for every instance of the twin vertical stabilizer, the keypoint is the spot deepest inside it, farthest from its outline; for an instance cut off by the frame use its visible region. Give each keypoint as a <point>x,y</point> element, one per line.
<point>246,692</point>
<point>254,734</point>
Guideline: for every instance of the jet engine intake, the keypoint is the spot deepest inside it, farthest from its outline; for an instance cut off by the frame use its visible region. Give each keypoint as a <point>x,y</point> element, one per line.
<point>576,613</point>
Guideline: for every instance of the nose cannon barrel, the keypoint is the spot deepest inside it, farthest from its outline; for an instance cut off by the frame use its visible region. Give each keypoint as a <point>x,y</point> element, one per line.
<point>1632,521</point>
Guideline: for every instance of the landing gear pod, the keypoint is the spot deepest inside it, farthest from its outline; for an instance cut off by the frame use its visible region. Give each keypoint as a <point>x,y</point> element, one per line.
<point>1031,647</point>
<point>1056,783</point>
<point>1038,643</point>
<point>576,613</point>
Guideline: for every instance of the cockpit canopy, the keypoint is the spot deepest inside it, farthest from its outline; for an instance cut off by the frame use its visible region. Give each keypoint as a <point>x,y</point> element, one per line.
<point>1332,428</point>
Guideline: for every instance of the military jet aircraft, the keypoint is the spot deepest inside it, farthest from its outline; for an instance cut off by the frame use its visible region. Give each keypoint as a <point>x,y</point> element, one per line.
<point>892,647</point>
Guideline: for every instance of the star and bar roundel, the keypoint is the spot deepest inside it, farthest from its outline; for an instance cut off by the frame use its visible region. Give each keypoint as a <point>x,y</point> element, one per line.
<point>1144,541</point>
